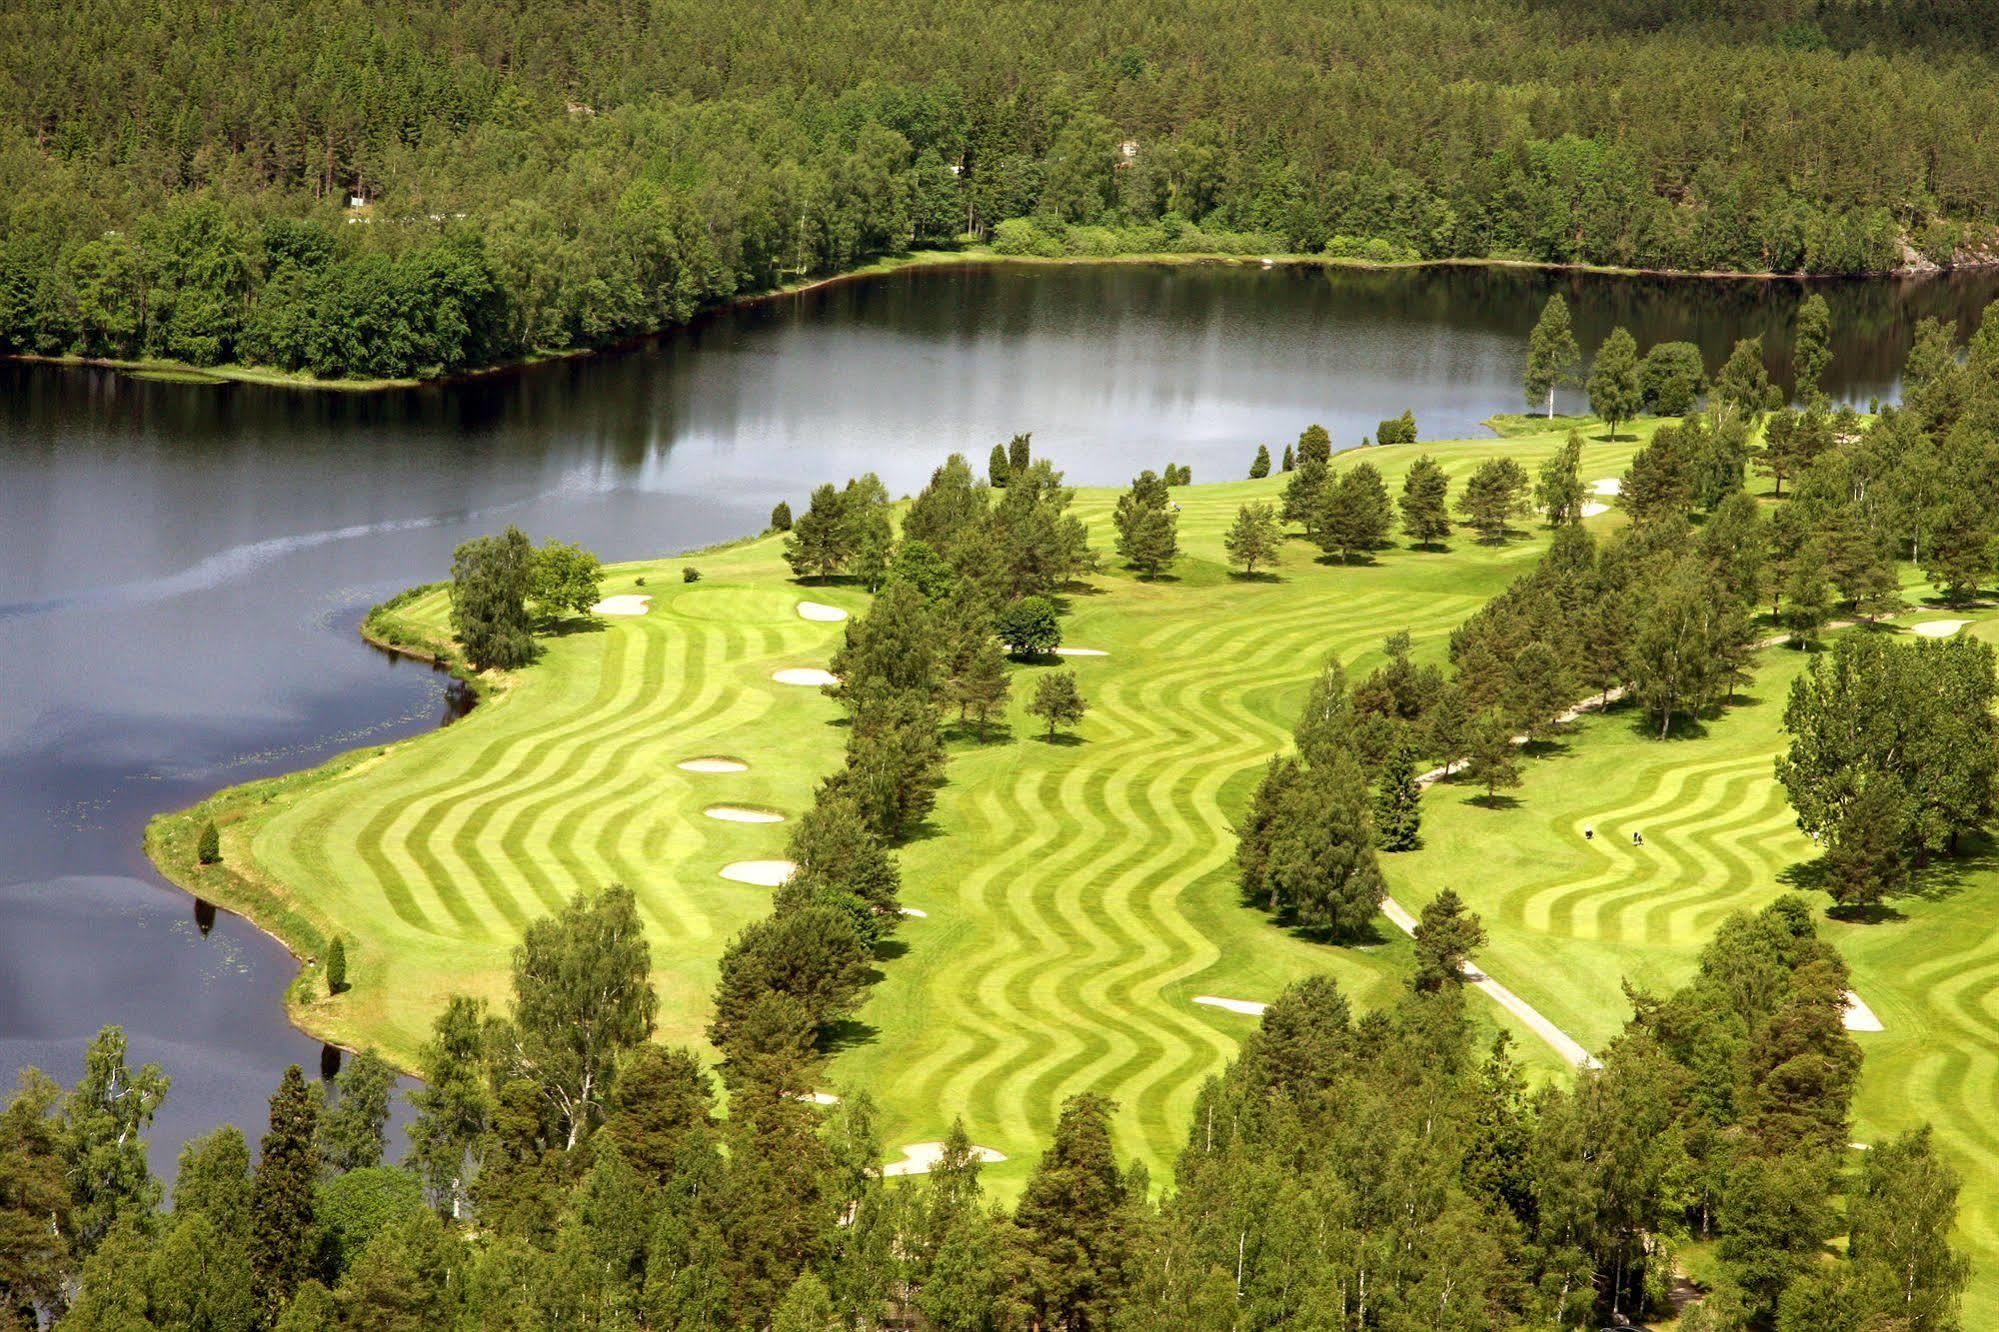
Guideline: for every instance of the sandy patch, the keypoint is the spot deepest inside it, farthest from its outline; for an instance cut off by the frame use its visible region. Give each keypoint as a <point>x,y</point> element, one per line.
<point>1081,652</point>
<point>1858,1016</point>
<point>762,873</point>
<point>1246,1007</point>
<point>629,603</point>
<point>742,814</point>
<point>914,914</point>
<point>1610,485</point>
<point>820,612</point>
<point>1592,509</point>
<point>919,1157</point>
<point>804,675</point>
<point>712,764</point>
<point>817,1098</point>
<point>1938,628</point>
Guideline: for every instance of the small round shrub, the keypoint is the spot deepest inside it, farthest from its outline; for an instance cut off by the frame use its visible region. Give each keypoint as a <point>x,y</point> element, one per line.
<point>690,574</point>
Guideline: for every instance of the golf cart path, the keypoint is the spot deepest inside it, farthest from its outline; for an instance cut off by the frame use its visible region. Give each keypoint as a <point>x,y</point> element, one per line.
<point>1563,1044</point>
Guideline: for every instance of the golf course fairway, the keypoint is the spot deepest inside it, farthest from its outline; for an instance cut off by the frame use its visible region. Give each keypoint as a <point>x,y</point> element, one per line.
<point>1077,896</point>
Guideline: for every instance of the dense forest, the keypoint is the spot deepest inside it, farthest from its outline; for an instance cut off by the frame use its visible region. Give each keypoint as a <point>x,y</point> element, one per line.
<point>376,190</point>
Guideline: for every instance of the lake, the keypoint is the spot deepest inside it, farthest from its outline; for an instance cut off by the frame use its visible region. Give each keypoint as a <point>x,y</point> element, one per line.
<point>182,566</point>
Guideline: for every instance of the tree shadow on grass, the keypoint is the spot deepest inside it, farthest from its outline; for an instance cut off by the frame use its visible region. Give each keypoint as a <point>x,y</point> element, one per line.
<point>847,1033</point>
<point>888,950</point>
<point>1493,802</point>
<point>1358,560</point>
<point>1368,936</point>
<point>572,625</point>
<point>1258,576</point>
<point>1874,913</point>
<point>979,736</point>
<point>1646,727</point>
<point>1062,739</point>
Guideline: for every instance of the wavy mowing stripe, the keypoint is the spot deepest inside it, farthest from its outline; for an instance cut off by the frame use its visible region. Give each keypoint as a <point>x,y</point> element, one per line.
<point>1148,770</point>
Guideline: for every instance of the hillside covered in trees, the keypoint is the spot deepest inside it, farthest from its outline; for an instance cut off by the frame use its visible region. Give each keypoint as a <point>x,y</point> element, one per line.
<point>182,184</point>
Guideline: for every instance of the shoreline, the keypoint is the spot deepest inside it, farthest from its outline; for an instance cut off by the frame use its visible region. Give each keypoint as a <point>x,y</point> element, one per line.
<point>979,256</point>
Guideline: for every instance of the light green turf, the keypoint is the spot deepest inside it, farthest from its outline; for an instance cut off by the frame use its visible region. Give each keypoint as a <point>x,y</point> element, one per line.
<point>1078,895</point>
<point>1570,919</point>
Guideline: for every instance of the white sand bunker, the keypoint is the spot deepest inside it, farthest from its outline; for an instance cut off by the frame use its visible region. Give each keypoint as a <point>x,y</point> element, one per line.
<point>804,675</point>
<point>1938,628</point>
<point>919,1158</point>
<point>629,603</point>
<point>1592,509</point>
<point>1858,1016</point>
<point>1610,485</point>
<point>914,914</point>
<point>762,873</point>
<point>816,1098</point>
<point>1081,652</point>
<point>742,814</point>
<point>821,612</point>
<point>1246,1007</point>
<point>712,764</point>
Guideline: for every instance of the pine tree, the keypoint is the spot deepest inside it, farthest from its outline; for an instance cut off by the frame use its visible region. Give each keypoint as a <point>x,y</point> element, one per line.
<point>1493,497</point>
<point>1353,514</point>
<point>1254,538</point>
<point>281,1197</point>
<point>1425,514</point>
<point>1314,445</point>
<point>1552,354</point>
<point>208,847</point>
<point>1073,1221</point>
<point>1495,761</point>
<point>977,681</point>
<point>780,517</point>
<point>997,471</point>
<point>1447,935</point>
<point>1058,701</point>
<point>1260,468</point>
<point>1614,391</point>
<point>336,966</point>
<point>820,543</point>
<point>1290,459</point>
<point>1398,810</point>
<point>1147,528</point>
<point>1019,454</point>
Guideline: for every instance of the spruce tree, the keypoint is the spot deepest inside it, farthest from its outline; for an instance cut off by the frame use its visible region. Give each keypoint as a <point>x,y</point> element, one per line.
<point>1552,354</point>
<point>1425,514</point>
<point>1019,454</point>
<point>1073,1221</point>
<point>1315,445</point>
<point>1398,811</point>
<point>997,471</point>
<point>281,1197</point>
<point>780,517</point>
<point>1260,468</point>
<point>208,846</point>
<point>336,966</point>
<point>1290,459</point>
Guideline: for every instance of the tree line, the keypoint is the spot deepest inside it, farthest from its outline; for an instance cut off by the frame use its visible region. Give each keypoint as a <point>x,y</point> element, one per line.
<point>1348,1171</point>
<point>562,180</point>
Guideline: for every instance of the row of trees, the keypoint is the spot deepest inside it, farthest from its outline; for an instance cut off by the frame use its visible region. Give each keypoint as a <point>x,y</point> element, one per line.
<point>568,179</point>
<point>1345,1171</point>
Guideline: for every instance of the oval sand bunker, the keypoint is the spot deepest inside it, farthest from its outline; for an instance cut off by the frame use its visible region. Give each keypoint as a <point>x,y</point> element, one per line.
<point>743,814</point>
<point>919,1158</point>
<point>1937,628</point>
<point>1081,652</point>
<point>804,675</point>
<point>821,612</point>
<point>712,764</point>
<point>627,603</point>
<point>762,873</point>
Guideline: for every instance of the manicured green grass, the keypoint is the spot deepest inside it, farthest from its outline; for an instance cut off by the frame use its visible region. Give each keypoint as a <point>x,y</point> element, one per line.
<point>1571,919</point>
<point>1079,895</point>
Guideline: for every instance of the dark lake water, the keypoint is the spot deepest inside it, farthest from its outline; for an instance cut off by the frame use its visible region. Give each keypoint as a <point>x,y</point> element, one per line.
<point>182,566</point>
